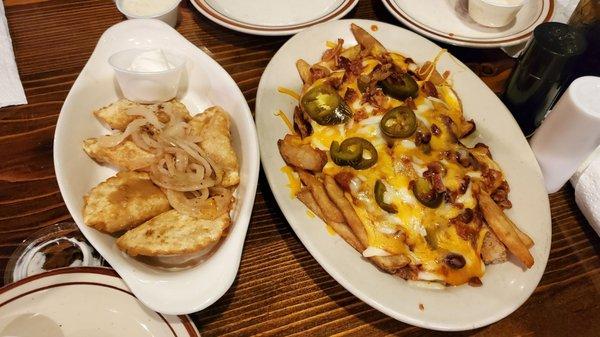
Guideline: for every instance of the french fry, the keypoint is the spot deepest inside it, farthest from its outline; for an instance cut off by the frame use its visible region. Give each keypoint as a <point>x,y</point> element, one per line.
<point>522,236</point>
<point>502,227</point>
<point>337,195</point>
<point>367,41</point>
<point>492,250</point>
<point>303,156</point>
<point>340,228</point>
<point>303,70</point>
<point>330,211</point>
<point>388,263</point>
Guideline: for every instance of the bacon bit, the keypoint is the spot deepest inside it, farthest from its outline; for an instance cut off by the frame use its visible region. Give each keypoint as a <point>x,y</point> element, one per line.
<point>374,28</point>
<point>359,115</point>
<point>343,179</point>
<point>450,155</point>
<point>429,89</point>
<point>464,227</point>
<point>435,130</point>
<point>373,95</point>
<point>318,72</point>
<point>475,282</point>
<point>350,95</point>
<point>382,71</point>
<point>500,195</point>
<point>464,185</point>
<point>422,137</point>
<point>434,175</point>
<point>490,176</point>
<point>352,67</point>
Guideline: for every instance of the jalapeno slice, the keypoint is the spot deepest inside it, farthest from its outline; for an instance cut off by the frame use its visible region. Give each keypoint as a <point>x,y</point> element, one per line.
<point>323,104</point>
<point>379,192</point>
<point>356,152</point>
<point>400,87</point>
<point>349,155</point>
<point>425,193</point>
<point>399,122</point>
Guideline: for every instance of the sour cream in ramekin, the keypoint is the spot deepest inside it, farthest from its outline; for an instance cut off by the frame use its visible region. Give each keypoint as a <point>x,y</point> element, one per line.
<point>164,10</point>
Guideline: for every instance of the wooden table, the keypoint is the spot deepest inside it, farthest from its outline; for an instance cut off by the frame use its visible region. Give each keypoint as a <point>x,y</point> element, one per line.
<point>280,288</point>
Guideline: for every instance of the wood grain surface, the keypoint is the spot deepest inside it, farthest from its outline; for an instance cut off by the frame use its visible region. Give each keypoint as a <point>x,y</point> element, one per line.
<point>280,289</point>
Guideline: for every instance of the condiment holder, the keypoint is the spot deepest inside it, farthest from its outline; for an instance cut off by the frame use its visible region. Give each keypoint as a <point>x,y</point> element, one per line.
<point>146,84</point>
<point>494,13</point>
<point>131,9</point>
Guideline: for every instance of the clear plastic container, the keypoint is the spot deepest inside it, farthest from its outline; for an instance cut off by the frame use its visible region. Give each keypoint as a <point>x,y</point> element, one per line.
<point>147,86</point>
<point>169,16</point>
<point>57,246</point>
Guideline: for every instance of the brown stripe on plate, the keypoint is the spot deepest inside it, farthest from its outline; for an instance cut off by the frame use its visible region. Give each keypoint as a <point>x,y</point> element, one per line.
<point>392,5</point>
<point>215,14</point>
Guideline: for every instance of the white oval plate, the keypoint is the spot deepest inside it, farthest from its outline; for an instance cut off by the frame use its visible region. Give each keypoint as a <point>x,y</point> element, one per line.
<point>449,21</point>
<point>268,17</point>
<point>505,286</point>
<point>82,301</point>
<point>205,84</point>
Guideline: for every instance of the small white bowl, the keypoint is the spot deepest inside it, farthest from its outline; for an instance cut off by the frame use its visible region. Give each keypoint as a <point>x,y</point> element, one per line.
<point>146,87</point>
<point>168,16</point>
<point>494,13</point>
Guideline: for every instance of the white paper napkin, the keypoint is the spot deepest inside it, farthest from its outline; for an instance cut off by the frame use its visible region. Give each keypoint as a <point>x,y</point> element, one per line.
<point>587,190</point>
<point>11,89</point>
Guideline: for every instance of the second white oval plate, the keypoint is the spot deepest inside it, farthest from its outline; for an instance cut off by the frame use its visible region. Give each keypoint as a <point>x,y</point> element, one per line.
<point>205,84</point>
<point>505,286</point>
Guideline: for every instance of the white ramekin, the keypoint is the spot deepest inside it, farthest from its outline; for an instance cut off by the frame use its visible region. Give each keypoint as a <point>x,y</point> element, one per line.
<point>146,87</point>
<point>492,14</point>
<point>170,16</point>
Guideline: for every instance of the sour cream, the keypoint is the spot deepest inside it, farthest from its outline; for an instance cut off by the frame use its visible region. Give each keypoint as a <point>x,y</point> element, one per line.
<point>147,8</point>
<point>151,61</point>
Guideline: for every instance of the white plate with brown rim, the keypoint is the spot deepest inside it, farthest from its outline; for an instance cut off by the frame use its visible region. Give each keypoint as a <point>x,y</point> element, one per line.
<point>205,83</point>
<point>505,286</point>
<point>267,17</point>
<point>448,21</point>
<point>82,301</point>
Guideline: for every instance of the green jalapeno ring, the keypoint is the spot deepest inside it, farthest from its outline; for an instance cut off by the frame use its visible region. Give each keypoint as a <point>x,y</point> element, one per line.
<point>399,122</point>
<point>345,156</point>
<point>424,192</point>
<point>379,192</point>
<point>401,87</point>
<point>323,104</point>
<point>356,152</point>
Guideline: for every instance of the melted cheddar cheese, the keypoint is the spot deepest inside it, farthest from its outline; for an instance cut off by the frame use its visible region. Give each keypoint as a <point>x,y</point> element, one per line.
<point>423,234</point>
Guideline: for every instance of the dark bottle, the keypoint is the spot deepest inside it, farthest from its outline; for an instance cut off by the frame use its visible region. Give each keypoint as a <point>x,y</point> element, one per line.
<point>543,70</point>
